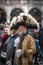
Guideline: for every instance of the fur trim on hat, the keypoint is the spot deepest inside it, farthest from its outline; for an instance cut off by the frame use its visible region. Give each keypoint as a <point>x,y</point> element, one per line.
<point>30,22</point>
<point>26,20</point>
<point>33,22</point>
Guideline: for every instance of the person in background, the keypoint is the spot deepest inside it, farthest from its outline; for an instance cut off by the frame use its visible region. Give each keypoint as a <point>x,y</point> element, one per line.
<point>0,44</point>
<point>34,34</point>
<point>0,48</point>
<point>4,35</point>
<point>40,37</point>
<point>8,46</point>
<point>13,36</point>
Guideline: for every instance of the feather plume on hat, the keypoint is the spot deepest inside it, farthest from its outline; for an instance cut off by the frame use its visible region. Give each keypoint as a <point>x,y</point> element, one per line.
<point>29,21</point>
<point>25,20</point>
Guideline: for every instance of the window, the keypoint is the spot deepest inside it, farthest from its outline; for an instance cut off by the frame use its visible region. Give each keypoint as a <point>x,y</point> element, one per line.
<point>15,12</point>
<point>2,16</point>
<point>36,13</point>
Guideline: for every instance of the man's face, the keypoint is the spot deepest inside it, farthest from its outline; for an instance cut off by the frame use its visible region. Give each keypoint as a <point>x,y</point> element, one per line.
<point>14,31</point>
<point>22,30</point>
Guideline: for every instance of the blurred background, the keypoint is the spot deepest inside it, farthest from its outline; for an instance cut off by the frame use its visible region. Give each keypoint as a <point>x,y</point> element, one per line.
<point>11,8</point>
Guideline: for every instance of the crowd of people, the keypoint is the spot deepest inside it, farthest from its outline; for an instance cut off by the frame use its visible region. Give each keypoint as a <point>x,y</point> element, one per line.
<point>21,41</point>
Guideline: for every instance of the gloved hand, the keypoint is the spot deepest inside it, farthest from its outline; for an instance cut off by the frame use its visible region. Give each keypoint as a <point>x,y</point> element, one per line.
<point>8,63</point>
<point>18,53</point>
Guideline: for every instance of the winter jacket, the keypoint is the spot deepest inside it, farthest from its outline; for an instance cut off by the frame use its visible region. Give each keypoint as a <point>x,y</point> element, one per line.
<point>27,44</point>
<point>8,48</point>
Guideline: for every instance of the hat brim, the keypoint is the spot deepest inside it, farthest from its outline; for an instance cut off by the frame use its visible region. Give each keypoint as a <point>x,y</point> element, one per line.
<point>29,26</point>
<point>14,27</point>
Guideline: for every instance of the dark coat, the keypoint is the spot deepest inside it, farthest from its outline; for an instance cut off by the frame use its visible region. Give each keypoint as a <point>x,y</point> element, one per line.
<point>8,47</point>
<point>41,37</point>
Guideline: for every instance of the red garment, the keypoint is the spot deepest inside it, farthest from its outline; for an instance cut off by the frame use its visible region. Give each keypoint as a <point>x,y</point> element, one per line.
<point>4,37</point>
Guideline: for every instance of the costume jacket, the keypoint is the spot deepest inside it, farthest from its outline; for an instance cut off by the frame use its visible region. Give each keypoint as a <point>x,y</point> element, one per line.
<point>28,48</point>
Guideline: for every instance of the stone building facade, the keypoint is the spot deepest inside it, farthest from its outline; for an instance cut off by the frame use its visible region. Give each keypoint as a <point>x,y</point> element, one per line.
<point>9,7</point>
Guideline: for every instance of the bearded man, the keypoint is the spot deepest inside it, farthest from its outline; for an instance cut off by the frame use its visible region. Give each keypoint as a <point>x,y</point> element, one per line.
<point>26,47</point>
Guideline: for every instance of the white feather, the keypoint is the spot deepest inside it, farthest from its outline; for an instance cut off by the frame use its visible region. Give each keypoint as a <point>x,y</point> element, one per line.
<point>12,22</point>
<point>33,21</point>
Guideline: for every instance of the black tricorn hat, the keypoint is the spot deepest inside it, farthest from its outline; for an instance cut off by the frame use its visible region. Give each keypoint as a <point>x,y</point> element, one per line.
<point>28,21</point>
<point>14,27</point>
<point>22,23</point>
<point>32,26</point>
<point>29,26</point>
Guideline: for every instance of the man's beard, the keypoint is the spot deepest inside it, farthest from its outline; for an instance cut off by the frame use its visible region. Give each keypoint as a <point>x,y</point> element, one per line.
<point>22,32</point>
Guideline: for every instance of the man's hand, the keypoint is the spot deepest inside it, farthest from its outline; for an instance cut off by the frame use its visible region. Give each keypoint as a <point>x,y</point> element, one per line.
<point>18,53</point>
<point>9,62</point>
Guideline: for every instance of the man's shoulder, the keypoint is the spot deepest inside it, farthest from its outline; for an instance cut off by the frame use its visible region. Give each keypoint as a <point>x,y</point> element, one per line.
<point>28,36</point>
